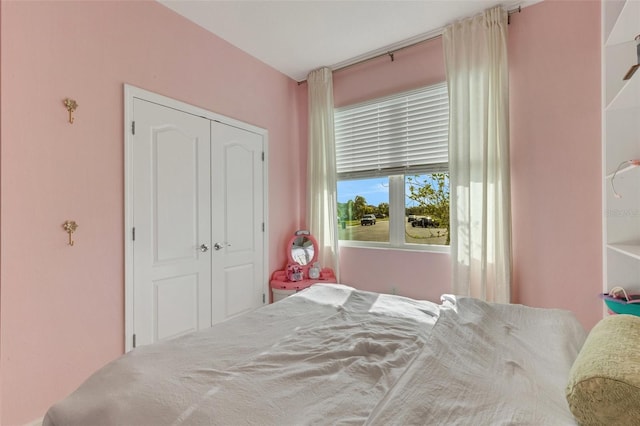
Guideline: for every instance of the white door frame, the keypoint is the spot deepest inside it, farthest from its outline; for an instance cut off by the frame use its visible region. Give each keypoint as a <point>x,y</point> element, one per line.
<point>131,92</point>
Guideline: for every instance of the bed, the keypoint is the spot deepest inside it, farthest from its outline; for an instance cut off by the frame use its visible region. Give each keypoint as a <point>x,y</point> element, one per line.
<point>335,355</point>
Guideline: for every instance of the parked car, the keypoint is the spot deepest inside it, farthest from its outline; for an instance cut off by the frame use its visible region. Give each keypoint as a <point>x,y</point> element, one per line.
<point>368,219</point>
<point>411,218</point>
<point>424,222</point>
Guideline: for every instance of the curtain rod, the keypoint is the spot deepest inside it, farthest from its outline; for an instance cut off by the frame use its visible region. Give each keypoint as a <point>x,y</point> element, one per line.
<point>390,53</point>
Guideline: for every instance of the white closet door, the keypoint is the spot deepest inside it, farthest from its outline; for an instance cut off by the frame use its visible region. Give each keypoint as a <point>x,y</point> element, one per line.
<point>237,220</point>
<point>195,207</point>
<point>172,221</point>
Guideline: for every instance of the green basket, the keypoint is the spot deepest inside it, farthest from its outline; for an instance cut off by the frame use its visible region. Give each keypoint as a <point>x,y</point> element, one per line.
<point>621,306</point>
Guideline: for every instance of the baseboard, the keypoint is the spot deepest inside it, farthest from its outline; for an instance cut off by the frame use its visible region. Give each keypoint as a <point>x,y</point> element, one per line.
<point>37,422</point>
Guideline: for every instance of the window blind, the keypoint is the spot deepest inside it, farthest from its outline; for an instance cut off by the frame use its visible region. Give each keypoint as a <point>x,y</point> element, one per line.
<point>405,133</point>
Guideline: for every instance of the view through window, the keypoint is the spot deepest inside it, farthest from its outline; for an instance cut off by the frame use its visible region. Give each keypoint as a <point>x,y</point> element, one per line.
<point>392,164</point>
<point>364,213</point>
<point>427,209</point>
<point>363,209</point>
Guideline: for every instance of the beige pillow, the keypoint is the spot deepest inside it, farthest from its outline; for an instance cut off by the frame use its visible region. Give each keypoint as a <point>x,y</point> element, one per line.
<point>604,381</point>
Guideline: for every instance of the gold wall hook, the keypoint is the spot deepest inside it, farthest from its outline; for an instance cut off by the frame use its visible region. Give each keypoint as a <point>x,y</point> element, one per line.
<point>71,106</point>
<point>70,227</point>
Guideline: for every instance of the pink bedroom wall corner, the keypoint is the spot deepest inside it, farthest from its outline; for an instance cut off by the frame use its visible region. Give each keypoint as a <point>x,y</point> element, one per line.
<point>61,307</point>
<point>554,61</point>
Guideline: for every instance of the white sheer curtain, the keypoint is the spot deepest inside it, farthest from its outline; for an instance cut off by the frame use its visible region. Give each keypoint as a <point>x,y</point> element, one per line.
<point>321,165</point>
<point>477,76</point>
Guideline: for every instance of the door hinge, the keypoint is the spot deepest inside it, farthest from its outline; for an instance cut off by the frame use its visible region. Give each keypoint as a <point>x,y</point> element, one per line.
<point>133,127</point>
<point>262,226</point>
<point>262,155</point>
<point>134,340</point>
<point>264,298</point>
<point>133,233</point>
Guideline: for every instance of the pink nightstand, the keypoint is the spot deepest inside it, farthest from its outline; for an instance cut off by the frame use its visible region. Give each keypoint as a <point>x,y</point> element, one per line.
<point>281,287</point>
<point>302,255</point>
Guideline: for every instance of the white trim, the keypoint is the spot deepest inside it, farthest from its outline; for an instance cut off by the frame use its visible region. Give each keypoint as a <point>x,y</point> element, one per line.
<point>427,248</point>
<point>603,149</point>
<point>37,422</point>
<point>131,93</point>
<point>128,218</point>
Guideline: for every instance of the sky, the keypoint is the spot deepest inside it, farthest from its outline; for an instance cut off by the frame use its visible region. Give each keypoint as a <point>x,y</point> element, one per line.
<point>374,190</point>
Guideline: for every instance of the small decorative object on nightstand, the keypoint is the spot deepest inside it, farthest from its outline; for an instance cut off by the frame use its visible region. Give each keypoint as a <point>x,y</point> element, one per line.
<point>302,269</point>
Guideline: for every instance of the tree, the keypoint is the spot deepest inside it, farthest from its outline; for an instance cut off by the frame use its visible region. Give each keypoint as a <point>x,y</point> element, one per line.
<point>359,206</point>
<point>431,192</point>
<point>383,209</point>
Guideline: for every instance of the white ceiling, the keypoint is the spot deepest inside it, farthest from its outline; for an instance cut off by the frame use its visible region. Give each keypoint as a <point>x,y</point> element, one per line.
<point>297,36</point>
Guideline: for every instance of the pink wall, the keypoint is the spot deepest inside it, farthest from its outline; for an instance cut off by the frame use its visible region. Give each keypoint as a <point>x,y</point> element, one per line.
<point>554,54</point>
<point>554,59</point>
<point>414,67</point>
<point>413,274</point>
<point>62,308</point>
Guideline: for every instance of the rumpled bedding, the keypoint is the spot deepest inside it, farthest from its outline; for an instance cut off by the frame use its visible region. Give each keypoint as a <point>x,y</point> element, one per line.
<point>324,356</point>
<point>335,355</point>
<point>488,364</point>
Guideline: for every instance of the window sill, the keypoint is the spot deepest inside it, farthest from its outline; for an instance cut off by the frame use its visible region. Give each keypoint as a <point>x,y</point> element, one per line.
<point>387,246</point>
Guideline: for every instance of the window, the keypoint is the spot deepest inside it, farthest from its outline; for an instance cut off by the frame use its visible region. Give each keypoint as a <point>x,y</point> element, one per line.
<point>392,163</point>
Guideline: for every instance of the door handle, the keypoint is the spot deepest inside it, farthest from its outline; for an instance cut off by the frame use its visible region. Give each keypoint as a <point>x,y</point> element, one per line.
<point>217,246</point>
<point>204,248</point>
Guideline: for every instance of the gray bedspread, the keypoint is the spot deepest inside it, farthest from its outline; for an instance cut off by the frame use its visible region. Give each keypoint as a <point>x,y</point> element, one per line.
<point>335,355</point>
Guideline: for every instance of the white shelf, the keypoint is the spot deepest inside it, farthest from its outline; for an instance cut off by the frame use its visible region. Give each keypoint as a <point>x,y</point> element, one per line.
<point>610,13</point>
<point>620,53</point>
<point>626,26</point>
<point>629,94</point>
<point>628,249</point>
<point>621,130</point>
